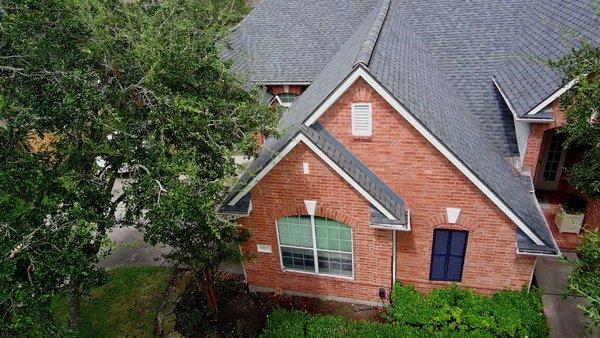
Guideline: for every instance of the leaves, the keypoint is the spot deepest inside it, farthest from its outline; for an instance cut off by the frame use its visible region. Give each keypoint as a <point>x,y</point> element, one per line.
<point>582,126</point>
<point>134,86</point>
<point>584,279</point>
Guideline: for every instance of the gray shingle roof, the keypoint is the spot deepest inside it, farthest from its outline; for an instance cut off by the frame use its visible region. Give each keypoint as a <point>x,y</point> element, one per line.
<point>291,41</point>
<point>550,30</point>
<point>404,65</point>
<point>437,59</point>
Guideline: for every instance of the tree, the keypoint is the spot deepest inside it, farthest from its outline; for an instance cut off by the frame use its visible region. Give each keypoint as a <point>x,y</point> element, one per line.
<point>56,203</point>
<point>193,115</point>
<point>581,104</point>
<point>135,85</point>
<point>584,279</point>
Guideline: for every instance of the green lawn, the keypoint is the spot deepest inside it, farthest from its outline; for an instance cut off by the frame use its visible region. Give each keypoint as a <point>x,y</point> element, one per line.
<point>125,306</point>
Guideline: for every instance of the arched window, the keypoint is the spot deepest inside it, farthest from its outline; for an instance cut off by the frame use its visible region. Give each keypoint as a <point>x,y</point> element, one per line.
<point>302,238</point>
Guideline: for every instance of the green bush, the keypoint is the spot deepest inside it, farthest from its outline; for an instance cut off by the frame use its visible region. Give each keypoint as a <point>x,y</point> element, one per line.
<point>504,314</point>
<point>282,323</point>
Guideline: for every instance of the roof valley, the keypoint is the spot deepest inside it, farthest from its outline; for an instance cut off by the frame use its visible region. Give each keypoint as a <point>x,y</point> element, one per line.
<point>368,44</point>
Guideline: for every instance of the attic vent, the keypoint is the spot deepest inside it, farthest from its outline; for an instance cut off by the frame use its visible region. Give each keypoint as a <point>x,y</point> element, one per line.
<point>361,119</point>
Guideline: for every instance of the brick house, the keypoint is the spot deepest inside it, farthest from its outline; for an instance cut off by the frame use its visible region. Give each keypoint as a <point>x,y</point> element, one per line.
<point>415,136</point>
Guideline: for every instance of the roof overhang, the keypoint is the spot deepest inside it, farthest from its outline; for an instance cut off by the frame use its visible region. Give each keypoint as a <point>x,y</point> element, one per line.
<point>513,111</point>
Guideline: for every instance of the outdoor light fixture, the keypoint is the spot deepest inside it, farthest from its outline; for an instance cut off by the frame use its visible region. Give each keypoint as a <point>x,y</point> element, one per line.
<point>381,293</point>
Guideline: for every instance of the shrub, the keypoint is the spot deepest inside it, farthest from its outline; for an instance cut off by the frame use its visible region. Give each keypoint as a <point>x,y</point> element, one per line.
<point>505,314</point>
<point>282,323</point>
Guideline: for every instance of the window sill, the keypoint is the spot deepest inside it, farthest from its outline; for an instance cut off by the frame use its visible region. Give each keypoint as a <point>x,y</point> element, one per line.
<point>285,271</point>
<point>361,138</point>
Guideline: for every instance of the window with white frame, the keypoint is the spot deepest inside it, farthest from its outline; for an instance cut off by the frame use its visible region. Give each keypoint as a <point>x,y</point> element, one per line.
<point>362,119</point>
<point>302,238</point>
<point>285,99</point>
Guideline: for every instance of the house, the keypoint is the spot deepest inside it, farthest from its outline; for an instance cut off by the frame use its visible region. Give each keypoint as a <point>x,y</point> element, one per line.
<point>415,137</point>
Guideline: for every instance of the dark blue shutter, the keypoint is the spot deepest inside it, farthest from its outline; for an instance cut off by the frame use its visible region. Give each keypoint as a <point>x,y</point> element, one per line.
<point>448,254</point>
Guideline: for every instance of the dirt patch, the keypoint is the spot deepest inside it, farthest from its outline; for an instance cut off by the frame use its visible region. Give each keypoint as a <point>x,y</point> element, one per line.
<point>244,314</point>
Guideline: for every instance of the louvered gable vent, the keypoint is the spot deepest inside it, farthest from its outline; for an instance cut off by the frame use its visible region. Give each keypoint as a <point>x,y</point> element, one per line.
<point>361,119</point>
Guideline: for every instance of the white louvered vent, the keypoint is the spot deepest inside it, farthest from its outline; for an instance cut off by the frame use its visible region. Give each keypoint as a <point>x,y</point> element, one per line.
<point>361,119</point>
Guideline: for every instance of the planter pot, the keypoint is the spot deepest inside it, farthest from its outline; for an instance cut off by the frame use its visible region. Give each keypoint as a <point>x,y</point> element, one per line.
<point>569,223</point>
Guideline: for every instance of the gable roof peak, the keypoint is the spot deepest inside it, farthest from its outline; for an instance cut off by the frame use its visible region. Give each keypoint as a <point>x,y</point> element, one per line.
<point>368,43</point>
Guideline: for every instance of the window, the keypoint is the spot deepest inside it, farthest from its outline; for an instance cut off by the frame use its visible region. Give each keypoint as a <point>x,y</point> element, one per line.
<point>361,119</point>
<point>302,238</point>
<point>448,254</point>
<point>286,99</point>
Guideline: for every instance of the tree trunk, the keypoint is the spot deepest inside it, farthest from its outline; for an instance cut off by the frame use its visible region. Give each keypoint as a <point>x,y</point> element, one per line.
<point>74,304</point>
<point>206,283</point>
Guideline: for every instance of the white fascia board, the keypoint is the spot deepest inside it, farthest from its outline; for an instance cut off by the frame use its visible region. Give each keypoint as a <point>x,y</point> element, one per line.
<point>516,116</point>
<point>283,83</point>
<point>361,72</point>
<point>302,138</point>
<point>552,97</point>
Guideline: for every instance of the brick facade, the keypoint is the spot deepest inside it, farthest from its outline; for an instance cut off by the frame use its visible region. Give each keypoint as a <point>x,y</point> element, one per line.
<point>536,137</point>
<point>420,174</point>
<point>533,153</point>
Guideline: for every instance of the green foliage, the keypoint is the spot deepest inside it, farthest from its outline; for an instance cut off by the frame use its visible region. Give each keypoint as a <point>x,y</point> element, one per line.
<point>126,305</point>
<point>504,314</point>
<point>584,279</point>
<point>140,85</point>
<point>282,323</point>
<point>582,125</point>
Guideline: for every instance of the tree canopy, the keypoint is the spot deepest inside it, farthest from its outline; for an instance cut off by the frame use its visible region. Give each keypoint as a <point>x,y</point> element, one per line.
<point>90,89</point>
<point>581,104</point>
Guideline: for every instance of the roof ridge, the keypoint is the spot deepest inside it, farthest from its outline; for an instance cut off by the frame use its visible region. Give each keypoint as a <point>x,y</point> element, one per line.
<point>368,44</point>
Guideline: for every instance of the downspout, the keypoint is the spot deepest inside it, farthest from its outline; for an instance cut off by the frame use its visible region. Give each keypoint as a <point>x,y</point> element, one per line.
<point>393,258</point>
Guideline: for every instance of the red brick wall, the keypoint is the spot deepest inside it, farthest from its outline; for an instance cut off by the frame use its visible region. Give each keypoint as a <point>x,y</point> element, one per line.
<point>429,183</point>
<point>281,193</point>
<point>592,215</point>
<point>426,180</point>
<point>294,89</point>
<point>536,136</point>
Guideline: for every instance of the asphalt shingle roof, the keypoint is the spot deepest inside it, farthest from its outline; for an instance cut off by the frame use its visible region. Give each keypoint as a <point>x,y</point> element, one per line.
<point>291,41</point>
<point>438,60</point>
<point>550,30</point>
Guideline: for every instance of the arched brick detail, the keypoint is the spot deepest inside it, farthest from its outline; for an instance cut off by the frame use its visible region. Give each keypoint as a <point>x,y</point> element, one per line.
<point>441,221</point>
<point>320,211</point>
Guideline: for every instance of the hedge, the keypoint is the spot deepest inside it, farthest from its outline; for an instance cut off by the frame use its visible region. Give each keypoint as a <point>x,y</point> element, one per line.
<point>504,314</point>
<point>448,312</point>
<point>297,324</point>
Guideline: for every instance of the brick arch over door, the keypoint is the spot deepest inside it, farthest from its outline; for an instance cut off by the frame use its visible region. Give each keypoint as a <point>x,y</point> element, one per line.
<point>320,211</point>
<point>464,222</point>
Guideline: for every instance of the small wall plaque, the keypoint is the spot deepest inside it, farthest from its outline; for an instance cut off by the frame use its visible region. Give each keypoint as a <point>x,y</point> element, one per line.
<point>264,248</point>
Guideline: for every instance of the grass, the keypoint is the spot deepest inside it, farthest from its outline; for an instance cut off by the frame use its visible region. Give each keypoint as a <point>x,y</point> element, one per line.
<point>125,306</point>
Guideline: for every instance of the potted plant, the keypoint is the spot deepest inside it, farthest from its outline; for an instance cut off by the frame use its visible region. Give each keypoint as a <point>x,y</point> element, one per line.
<point>569,217</point>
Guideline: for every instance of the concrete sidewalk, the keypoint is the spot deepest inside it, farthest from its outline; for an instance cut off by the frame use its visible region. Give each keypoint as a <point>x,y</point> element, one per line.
<point>131,250</point>
<point>563,316</point>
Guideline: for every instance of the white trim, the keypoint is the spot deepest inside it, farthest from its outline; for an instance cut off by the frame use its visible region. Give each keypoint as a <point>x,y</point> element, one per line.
<point>315,253</point>
<point>360,72</point>
<point>280,83</point>
<point>311,207</point>
<point>512,109</point>
<point>333,97</point>
<point>301,138</point>
<point>452,214</point>
<point>552,97</point>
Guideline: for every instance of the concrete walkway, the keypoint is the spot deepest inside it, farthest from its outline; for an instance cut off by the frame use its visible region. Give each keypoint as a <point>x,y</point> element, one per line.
<point>131,250</point>
<point>564,318</point>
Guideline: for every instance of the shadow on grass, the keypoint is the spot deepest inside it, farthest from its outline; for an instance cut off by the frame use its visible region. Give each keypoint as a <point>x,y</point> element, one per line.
<point>126,306</point>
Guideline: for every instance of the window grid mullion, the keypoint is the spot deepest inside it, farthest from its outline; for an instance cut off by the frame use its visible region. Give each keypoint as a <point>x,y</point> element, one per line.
<point>447,260</point>
<point>314,242</point>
